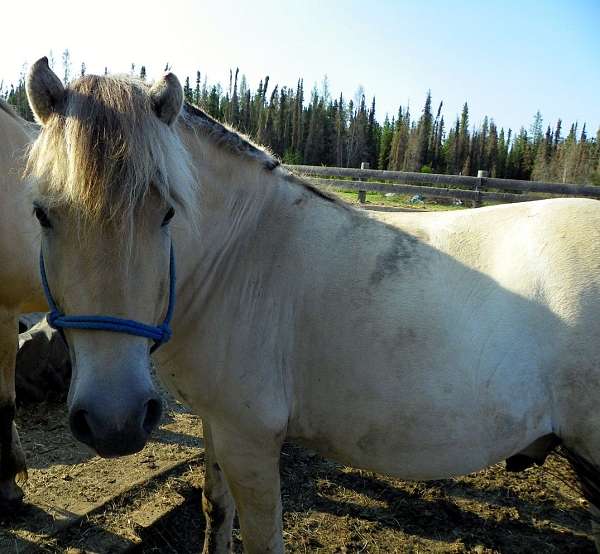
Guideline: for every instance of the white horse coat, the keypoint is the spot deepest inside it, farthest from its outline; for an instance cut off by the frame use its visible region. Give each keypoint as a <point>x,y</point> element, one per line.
<point>430,348</point>
<point>419,345</point>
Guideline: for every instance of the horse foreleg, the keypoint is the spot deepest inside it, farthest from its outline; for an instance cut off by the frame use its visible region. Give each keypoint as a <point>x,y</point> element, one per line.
<point>251,467</point>
<point>12,459</point>
<point>217,502</point>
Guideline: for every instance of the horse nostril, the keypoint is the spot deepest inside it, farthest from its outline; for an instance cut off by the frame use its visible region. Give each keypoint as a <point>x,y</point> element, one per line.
<point>153,415</point>
<point>80,427</point>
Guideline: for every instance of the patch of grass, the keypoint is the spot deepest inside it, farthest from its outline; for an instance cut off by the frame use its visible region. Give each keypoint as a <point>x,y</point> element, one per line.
<point>398,201</point>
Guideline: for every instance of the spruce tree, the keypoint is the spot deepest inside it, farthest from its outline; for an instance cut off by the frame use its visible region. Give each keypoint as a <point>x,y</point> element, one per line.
<point>557,137</point>
<point>536,131</point>
<point>385,143</point>
<point>490,162</point>
<point>187,91</point>
<point>197,88</point>
<point>463,138</point>
<point>234,113</point>
<point>502,155</point>
<point>373,137</point>
<point>66,59</point>
<point>424,129</point>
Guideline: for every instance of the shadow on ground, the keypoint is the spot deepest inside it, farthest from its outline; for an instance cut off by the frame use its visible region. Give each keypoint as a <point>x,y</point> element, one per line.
<point>332,508</point>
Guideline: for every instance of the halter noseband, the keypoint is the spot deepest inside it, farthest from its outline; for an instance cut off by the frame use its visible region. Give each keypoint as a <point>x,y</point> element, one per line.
<point>159,333</point>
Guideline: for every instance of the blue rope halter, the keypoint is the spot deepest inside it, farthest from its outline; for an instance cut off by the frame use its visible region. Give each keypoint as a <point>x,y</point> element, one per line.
<point>159,334</point>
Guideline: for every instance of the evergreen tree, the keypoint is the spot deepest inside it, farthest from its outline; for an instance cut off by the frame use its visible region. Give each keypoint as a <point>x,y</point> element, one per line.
<point>340,132</point>
<point>187,91</point>
<point>66,59</point>
<point>536,131</point>
<point>385,143</point>
<point>557,137</point>
<point>213,105</point>
<point>293,153</point>
<point>399,148</point>
<point>490,159</point>
<point>424,131</point>
<point>437,136</point>
<point>452,154</point>
<point>234,113</point>
<point>502,155</point>
<point>358,135</point>
<point>197,89</point>
<point>313,147</point>
<point>463,138</point>
<point>542,169</point>
<point>373,137</point>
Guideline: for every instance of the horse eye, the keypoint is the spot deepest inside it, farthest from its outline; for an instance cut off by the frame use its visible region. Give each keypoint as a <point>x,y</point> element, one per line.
<point>42,217</point>
<point>168,216</point>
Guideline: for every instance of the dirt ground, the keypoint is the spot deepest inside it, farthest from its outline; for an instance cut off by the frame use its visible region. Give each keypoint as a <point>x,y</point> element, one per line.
<point>150,502</point>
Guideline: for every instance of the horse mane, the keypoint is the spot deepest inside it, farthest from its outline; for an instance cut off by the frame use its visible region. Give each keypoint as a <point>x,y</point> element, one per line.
<point>226,137</point>
<point>237,143</point>
<point>107,149</point>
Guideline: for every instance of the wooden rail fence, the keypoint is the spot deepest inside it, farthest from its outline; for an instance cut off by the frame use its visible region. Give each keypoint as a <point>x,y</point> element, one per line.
<point>475,189</point>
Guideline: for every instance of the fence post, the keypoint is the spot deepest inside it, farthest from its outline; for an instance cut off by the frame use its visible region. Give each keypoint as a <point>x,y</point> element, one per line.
<point>362,194</point>
<point>481,175</point>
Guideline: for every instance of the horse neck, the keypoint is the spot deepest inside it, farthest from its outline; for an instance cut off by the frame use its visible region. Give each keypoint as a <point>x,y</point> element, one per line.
<point>246,214</point>
<point>18,252</point>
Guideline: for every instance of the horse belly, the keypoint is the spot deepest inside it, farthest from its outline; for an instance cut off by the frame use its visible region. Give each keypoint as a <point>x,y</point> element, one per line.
<point>435,417</point>
<point>432,445</point>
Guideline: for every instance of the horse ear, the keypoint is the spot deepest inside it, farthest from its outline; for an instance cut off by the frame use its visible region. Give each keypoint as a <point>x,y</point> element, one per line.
<point>45,92</point>
<point>167,98</point>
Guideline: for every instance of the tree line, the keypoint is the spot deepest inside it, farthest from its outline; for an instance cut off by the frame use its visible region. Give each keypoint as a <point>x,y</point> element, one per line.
<point>315,128</point>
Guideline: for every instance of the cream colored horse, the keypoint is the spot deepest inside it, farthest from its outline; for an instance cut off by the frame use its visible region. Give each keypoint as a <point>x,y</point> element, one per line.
<point>19,289</point>
<point>429,346</point>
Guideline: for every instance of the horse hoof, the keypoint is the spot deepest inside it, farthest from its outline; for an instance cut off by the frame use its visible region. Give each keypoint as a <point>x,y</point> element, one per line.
<point>11,496</point>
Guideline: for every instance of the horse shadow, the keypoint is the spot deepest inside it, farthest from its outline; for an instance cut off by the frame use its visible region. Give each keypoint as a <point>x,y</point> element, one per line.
<point>429,510</point>
<point>180,530</point>
<point>423,510</point>
<point>19,527</point>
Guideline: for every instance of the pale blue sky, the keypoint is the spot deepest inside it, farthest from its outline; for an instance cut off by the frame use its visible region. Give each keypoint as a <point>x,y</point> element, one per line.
<point>507,59</point>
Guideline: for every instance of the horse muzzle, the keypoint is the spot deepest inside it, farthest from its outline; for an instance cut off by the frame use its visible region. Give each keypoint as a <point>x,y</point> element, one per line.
<point>117,427</point>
